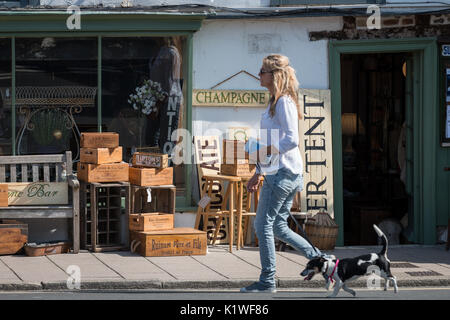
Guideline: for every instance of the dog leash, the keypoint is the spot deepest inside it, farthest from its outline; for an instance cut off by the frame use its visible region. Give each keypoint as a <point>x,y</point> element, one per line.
<point>334,269</point>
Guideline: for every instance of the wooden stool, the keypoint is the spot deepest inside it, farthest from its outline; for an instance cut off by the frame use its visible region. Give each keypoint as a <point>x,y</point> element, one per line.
<point>233,193</point>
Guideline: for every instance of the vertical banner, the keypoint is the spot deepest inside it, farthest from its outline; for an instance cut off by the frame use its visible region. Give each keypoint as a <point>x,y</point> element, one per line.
<point>208,160</point>
<point>316,149</point>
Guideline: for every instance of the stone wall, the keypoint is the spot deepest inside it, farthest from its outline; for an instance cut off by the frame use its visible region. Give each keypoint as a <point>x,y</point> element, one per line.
<point>408,26</point>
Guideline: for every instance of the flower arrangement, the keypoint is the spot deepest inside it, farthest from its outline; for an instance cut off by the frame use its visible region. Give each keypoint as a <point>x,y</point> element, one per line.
<point>147,96</point>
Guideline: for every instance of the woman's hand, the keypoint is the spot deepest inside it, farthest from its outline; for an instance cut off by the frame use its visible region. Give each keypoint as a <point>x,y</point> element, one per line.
<point>253,183</point>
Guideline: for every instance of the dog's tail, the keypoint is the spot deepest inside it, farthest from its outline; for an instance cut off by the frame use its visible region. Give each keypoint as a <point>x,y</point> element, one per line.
<point>384,241</point>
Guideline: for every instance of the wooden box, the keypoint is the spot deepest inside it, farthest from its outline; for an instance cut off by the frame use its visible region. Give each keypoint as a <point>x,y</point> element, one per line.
<point>234,152</point>
<point>163,199</point>
<point>150,160</point>
<point>101,155</point>
<point>175,242</point>
<point>45,249</point>
<point>3,195</point>
<point>99,140</point>
<point>241,170</point>
<point>109,172</point>
<point>153,221</point>
<point>13,236</point>
<point>151,176</point>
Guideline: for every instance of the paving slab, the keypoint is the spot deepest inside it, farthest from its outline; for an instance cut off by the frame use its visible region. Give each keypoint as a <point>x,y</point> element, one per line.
<point>186,268</point>
<point>34,269</point>
<point>6,275</point>
<point>132,266</point>
<point>90,266</point>
<point>228,265</point>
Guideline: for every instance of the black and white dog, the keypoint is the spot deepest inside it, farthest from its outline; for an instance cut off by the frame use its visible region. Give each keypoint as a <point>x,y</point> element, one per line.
<point>351,268</point>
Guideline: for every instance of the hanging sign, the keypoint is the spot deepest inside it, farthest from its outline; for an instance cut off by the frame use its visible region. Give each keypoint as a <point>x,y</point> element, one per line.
<point>446,50</point>
<point>316,149</point>
<point>230,98</point>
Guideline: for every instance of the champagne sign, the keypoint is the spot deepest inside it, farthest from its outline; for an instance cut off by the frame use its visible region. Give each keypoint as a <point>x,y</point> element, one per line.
<point>230,98</point>
<point>37,193</point>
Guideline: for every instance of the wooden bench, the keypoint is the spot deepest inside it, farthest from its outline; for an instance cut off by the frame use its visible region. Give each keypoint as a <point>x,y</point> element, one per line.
<point>43,168</point>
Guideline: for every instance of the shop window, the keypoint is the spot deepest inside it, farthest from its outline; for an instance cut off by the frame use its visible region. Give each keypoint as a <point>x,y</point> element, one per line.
<point>147,124</point>
<point>56,83</point>
<point>5,93</point>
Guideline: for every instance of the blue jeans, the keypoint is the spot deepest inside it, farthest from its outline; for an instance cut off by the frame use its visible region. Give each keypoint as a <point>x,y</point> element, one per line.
<point>274,205</point>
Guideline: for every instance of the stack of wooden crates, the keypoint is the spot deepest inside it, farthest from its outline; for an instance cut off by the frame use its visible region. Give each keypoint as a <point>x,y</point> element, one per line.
<point>153,233</point>
<point>103,186</point>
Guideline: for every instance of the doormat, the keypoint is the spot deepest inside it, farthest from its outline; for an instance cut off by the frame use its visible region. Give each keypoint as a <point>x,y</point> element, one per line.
<point>423,273</point>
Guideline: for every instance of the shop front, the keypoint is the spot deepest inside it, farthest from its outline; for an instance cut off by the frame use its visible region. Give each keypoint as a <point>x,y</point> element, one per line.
<point>57,82</point>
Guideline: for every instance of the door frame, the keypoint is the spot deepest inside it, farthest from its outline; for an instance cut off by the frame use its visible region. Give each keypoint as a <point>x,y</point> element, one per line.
<point>426,110</point>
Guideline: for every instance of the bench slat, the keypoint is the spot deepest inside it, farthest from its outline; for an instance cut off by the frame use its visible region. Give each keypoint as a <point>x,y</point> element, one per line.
<point>44,158</point>
<point>2,173</point>
<point>46,172</point>
<point>12,168</point>
<point>24,173</point>
<point>35,172</point>
<point>57,173</point>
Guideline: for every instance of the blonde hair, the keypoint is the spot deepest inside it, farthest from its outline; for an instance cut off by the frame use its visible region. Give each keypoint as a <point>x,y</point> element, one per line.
<point>284,80</point>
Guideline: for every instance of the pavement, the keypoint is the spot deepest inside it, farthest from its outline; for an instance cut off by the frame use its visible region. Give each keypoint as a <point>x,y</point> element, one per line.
<point>413,265</point>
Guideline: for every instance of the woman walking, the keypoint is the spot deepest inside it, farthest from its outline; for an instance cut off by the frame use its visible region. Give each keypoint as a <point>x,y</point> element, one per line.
<point>281,185</point>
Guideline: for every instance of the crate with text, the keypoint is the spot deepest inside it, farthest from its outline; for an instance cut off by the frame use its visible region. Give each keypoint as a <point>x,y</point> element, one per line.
<point>165,243</point>
<point>154,221</point>
<point>3,195</point>
<point>108,172</point>
<point>150,160</point>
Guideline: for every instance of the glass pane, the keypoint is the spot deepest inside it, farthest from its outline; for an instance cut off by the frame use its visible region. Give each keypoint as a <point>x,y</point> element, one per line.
<point>5,94</point>
<point>56,85</point>
<point>145,121</point>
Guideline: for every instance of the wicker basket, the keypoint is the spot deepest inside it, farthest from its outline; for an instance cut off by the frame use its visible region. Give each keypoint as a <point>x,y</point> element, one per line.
<point>322,231</point>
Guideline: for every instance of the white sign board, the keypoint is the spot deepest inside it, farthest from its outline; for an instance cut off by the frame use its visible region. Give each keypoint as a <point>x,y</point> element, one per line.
<point>37,193</point>
<point>316,149</point>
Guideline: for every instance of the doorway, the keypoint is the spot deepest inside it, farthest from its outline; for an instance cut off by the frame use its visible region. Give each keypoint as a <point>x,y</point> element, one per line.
<point>374,115</point>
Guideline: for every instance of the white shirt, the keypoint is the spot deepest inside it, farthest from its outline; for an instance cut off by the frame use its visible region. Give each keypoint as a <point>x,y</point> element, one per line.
<point>285,121</point>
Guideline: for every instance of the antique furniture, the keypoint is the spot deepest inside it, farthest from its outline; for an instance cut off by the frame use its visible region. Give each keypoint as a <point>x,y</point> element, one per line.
<point>55,169</point>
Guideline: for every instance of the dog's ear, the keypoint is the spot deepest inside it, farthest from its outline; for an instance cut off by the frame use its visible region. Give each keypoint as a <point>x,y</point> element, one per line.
<point>322,259</point>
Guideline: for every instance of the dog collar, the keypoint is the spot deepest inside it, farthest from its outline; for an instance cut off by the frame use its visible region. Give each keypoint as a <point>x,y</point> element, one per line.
<point>334,269</point>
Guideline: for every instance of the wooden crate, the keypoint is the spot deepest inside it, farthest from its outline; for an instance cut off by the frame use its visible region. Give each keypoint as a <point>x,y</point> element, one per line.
<point>13,236</point>
<point>175,242</point>
<point>109,172</point>
<point>240,170</point>
<point>150,160</point>
<point>104,216</point>
<point>153,221</point>
<point>151,176</point>
<point>163,199</point>
<point>99,140</point>
<point>3,195</point>
<point>234,152</point>
<point>101,155</point>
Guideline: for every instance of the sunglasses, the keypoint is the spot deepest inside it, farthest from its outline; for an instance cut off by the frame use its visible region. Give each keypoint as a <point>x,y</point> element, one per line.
<point>261,71</point>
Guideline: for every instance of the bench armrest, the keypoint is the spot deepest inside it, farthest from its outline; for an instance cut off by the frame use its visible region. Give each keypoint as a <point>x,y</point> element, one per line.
<point>73,181</point>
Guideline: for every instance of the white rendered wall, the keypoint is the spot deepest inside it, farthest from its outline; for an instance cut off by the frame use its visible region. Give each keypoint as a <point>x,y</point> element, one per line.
<point>225,47</point>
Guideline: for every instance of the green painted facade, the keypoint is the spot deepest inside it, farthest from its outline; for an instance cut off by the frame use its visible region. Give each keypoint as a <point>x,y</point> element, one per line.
<point>430,184</point>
